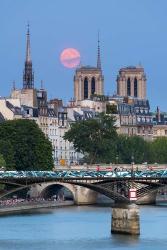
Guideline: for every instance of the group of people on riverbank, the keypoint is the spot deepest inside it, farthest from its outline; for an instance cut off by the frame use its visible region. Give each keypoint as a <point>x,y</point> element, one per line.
<point>19,201</point>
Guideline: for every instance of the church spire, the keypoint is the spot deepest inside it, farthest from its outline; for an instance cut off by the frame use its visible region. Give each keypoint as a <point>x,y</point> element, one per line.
<point>28,76</point>
<point>98,54</point>
<point>28,54</point>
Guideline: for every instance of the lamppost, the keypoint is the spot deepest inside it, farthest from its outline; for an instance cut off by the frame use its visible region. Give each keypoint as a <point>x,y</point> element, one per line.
<point>53,155</point>
<point>117,160</point>
<point>132,164</point>
<point>132,190</point>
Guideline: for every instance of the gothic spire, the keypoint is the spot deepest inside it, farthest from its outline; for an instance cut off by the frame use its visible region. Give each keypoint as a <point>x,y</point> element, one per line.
<point>28,54</point>
<point>28,75</point>
<point>98,54</point>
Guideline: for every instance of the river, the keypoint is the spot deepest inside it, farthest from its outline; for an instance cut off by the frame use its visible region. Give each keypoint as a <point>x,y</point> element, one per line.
<point>78,228</point>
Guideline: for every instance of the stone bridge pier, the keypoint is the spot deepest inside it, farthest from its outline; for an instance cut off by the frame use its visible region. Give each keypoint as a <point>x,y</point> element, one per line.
<point>81,195</point>
<point>125,219</point>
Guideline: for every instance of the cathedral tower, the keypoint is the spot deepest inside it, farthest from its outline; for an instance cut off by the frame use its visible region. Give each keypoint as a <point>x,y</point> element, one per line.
<point>131,81</point>
<point>89,80</point>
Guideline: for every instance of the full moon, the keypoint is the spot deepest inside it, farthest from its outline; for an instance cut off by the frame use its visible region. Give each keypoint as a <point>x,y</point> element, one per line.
<point>70,58</point>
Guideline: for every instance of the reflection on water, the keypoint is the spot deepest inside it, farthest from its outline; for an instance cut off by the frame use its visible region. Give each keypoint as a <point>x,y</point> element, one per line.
<point>125,240</point>
<point>85,227</point>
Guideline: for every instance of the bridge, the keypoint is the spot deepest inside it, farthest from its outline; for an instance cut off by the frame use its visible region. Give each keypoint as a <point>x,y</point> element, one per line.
<point>85,184</point>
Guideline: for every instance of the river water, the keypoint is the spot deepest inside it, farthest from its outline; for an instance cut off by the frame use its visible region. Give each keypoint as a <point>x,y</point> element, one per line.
<point>78,228</point>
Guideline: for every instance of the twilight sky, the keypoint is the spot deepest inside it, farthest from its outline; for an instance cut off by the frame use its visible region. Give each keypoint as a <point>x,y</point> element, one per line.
<point>131,31</point>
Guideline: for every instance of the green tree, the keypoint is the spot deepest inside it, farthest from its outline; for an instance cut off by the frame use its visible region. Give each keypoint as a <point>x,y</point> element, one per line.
<point>95,138</point>
<point>111,109</point>
<point>158,150</point>
<point>6,149</point>
<point>31,149</point>
<point>134,146</point>
<point>2,161</point>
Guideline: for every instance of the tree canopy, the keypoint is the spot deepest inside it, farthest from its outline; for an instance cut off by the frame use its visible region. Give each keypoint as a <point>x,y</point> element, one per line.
<point>132,148</point>
<point>158,150</point>
<point>95,138</point>
<point>24,146</point>
<point>2,161</point>
<point>98,141</point>
<point>111,109</point>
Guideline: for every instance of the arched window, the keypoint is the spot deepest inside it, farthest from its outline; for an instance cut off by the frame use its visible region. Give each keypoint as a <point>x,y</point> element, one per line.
<point>135,87</point>
<point>85,88</point>
<point>93,86</point>
<point>128,87</point>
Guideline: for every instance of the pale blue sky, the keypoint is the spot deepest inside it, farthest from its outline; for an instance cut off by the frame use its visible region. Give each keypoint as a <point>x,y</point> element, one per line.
<point>132,31</point>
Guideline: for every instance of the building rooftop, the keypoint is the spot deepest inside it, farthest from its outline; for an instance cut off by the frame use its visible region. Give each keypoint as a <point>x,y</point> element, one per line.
<point>16,110</point>
<point>133,68</point>
<point>87,68</point>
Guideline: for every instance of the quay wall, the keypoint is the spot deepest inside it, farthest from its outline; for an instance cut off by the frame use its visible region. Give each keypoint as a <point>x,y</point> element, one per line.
<point>25,207</point>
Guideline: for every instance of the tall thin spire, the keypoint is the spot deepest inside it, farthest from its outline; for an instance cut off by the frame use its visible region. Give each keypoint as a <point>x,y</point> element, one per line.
<point>28,75</point>
<point>28,54</point>
<point>98,54</point>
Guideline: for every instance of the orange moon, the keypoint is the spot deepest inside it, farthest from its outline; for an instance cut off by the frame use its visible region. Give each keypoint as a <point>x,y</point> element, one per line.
<point>70,58</point>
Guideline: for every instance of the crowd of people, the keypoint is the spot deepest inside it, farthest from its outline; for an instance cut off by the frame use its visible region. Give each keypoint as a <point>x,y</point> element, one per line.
<point>21,201</point>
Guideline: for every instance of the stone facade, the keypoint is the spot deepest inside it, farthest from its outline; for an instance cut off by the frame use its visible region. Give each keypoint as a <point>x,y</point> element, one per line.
<point>54,127</point>
<point>27,97</point>
<point>160,124</point>
<point>133,116</point>
<point>88,81</point>
<point>131,81</point>
<point>159,131</point>
<point>135,119</point>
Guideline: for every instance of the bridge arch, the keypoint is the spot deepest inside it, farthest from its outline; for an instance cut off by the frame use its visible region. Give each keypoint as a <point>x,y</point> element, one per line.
<point>48,190</point>
<point>82,195</point>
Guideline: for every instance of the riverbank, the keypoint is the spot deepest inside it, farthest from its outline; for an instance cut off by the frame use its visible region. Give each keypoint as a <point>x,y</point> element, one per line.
<point>29,206</point>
